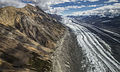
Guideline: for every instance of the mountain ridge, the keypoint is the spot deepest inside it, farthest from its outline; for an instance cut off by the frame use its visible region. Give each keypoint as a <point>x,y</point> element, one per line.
<point>28,37</point>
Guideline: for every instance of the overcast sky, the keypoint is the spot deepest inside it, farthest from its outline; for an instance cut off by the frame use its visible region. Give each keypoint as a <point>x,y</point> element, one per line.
<point>69,7</point>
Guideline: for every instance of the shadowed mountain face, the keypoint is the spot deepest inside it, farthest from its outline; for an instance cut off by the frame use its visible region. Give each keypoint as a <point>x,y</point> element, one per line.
<point>28,36</point>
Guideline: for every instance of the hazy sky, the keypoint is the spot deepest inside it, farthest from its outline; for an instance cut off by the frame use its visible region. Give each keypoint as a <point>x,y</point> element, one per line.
<point>69,7</point>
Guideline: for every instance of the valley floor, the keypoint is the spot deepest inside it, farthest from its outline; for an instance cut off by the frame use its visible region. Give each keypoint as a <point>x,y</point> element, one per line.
<point>88,54</point>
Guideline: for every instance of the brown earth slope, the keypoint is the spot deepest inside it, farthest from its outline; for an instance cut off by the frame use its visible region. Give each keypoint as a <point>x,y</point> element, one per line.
<point>28,37</point>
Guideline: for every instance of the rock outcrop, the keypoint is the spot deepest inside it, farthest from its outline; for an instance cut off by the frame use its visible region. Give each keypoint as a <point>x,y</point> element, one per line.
<point>28,37</point>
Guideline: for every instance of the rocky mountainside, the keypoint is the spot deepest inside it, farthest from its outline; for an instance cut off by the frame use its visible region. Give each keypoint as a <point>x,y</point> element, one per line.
<point>28,37</point>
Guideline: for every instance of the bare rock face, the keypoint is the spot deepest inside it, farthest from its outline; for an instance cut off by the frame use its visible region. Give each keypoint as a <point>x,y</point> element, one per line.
<point>28,37</point>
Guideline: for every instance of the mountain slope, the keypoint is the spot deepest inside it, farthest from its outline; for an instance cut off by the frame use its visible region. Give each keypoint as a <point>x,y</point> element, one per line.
<point>28,36</point>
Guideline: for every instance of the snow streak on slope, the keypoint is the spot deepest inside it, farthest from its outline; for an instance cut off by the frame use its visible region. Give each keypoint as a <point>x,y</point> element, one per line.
<point>97,58</point>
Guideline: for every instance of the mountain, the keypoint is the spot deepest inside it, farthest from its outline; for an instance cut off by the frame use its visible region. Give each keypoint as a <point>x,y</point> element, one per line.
<point>28,38</point>
<point>34,41</point>
<point>112,24</point>
<point>57,17</point>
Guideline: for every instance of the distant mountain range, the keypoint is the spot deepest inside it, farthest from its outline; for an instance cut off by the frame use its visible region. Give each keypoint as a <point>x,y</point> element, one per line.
<point>110,23</point>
